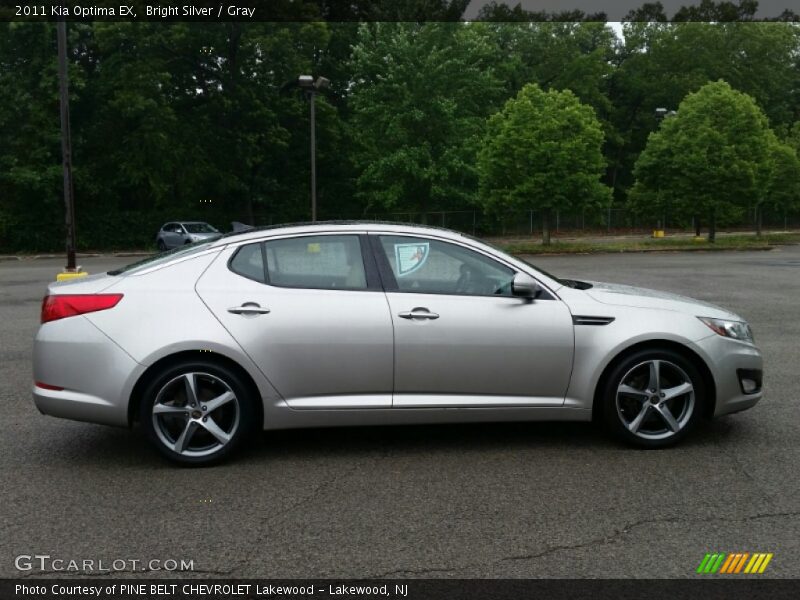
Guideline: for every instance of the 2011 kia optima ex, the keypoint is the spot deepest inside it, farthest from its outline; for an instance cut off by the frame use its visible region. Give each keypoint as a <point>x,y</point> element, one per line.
<point>370,323</point>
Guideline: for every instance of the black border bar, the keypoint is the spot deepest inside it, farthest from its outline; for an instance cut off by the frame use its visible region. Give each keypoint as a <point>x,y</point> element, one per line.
<point>210,11</point>
<point>111,588</point>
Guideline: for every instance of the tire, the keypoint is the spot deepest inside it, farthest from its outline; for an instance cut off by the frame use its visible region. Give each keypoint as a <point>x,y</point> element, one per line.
<point>162,247</point>
<point>647,419</point>
<point>205,432</point>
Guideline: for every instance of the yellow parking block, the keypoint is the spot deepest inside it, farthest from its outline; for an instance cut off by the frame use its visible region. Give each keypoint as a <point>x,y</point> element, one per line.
<point>66,276</point>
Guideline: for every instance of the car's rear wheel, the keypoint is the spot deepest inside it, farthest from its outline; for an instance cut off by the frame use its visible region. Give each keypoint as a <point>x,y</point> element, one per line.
<point>161,246</point>
<point>653,398</point>
<point>197,413</point>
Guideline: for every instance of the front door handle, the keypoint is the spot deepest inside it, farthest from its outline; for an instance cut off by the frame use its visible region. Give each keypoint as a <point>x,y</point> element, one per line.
<point>418,313</point>
<point>248,308</point>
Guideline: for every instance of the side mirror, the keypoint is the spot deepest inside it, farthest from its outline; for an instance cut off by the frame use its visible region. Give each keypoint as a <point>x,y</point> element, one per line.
<point>525,286</point>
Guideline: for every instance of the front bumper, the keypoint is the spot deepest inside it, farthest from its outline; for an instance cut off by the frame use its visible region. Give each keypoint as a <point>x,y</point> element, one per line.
<point>95,373</point>
<point>732,362</point>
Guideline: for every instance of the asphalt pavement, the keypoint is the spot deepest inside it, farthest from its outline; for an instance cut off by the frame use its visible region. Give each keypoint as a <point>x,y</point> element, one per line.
<point>498,500</point>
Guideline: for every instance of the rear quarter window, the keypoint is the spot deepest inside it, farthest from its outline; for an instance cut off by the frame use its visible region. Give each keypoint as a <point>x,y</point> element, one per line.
<point>249,262</point>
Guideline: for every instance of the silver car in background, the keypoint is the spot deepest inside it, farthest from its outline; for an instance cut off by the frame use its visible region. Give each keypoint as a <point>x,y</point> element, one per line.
<point>179,233</point>
<point>369,323</point>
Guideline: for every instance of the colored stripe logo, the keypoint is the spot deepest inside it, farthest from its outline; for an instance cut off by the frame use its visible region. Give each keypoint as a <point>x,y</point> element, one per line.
<point>734,562</point>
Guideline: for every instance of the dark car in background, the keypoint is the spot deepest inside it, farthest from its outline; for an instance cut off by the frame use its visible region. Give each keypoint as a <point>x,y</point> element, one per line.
<point>180,233</point>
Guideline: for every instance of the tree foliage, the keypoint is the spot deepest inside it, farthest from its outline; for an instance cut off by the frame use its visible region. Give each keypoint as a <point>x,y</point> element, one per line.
<point>781,184</point>
<point>542,151</point>
<point>708,160</point>
<point>419,98</point>
<point>200,120</point>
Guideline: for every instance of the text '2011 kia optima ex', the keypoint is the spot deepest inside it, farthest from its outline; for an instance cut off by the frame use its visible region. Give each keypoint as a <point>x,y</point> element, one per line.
<point>371,323</point>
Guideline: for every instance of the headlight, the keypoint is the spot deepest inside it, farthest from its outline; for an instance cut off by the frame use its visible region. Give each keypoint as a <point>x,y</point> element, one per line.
<point>738,330</point>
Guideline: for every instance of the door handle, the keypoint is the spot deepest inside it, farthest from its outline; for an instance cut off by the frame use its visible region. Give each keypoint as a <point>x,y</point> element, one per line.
<point>418,313</point>
<point>248,308</point>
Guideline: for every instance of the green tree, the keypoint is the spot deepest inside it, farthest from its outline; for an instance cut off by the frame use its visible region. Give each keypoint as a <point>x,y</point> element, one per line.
<point>578,56</point>
<point>419,97</point>
<point>661,62</point>
<point>781,184</point>
<point>542,152</point>
<point>707,160</point>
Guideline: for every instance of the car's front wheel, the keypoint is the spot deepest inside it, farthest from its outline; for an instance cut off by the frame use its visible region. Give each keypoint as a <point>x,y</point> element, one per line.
<point>161,246</point>
<point>197,413</point>
<point>653,398</point>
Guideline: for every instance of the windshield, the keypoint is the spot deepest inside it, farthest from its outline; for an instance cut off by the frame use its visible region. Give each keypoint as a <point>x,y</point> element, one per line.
<point>164,257</point>
<point>499,249</point>
<point>199,228</point>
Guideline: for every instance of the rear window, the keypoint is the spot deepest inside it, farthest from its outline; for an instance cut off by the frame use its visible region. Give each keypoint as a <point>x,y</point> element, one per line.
<point>164,257</point>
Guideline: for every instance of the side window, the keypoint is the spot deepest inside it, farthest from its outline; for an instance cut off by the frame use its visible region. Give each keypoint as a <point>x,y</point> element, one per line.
<point>169,227</point>
<point>324,262</point>
<point>249,262</point>
<point>429,266</point>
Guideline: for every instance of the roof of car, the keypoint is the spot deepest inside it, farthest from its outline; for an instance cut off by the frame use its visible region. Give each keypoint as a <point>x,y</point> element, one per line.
<point>353,225</point>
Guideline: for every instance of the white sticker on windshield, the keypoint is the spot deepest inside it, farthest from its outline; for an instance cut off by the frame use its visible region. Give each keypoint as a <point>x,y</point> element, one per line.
<point>410,257</point>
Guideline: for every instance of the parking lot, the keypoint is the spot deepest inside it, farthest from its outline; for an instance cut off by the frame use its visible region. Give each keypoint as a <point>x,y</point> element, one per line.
<point>498,500</point>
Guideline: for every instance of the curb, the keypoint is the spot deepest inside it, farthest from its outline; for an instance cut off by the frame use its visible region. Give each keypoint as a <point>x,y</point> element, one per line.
<point>80,255</point>
<point>649,250</point>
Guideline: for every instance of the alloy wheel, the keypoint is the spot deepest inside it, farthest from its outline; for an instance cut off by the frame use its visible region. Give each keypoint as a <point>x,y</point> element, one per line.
<point>196,414</point>
<point>655,399</point>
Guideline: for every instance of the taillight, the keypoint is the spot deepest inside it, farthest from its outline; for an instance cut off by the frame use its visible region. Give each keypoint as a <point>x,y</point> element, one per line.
<point>68,305</point>
<point>47,386</point>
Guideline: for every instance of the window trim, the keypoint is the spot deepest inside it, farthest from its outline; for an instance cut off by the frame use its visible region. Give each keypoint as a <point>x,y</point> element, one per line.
<point>390,281</point>
<point>371,270</point>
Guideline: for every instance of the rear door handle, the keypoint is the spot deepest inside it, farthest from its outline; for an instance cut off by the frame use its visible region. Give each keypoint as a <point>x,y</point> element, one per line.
<point>249,308</point>
<point>418,313</point>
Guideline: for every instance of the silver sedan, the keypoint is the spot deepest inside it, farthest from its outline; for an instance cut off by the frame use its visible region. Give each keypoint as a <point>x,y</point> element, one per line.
<point>180,233</point>
<point>370,323</point>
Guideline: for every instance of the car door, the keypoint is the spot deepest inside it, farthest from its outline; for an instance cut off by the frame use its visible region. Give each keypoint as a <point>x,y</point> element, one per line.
<point>461,337</point>
<point>181,234</point>
<point>309,310</point>
<point>172,237</point>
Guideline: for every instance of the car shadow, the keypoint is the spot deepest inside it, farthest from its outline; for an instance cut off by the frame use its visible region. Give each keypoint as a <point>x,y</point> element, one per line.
<point>100,446</point>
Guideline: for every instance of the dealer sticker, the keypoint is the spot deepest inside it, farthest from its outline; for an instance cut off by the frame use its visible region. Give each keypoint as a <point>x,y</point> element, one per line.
<point>410,257</point>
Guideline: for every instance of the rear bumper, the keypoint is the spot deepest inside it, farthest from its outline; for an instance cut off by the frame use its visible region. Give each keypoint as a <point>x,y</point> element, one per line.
<point>68,404</point>
<point>95,373</point>
<point>730,361</point>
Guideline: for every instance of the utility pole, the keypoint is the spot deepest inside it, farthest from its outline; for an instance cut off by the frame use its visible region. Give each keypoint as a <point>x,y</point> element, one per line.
<point>313,159</point>
<point>66,145</point>
<point>312,87</point>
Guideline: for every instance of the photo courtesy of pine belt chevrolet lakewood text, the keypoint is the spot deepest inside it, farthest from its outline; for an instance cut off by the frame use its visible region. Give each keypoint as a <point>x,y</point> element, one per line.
<point>354,323</point>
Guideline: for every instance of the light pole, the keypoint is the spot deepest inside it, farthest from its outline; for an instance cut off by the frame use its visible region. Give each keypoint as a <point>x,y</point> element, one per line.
<point>312,87</point>
<point>66,144</point>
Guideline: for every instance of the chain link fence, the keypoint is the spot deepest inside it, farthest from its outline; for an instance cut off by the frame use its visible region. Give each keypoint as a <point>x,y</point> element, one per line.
<point>612,221</point>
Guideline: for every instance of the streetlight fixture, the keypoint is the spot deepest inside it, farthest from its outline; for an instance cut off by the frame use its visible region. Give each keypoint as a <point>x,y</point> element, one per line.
<point>662,113</point>
<point>312,87</point>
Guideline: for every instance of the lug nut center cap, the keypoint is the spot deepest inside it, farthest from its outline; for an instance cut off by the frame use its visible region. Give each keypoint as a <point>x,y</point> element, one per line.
<point>196,414</point>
